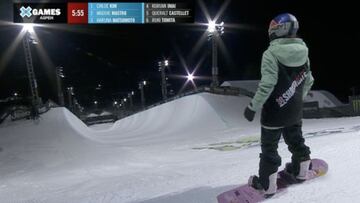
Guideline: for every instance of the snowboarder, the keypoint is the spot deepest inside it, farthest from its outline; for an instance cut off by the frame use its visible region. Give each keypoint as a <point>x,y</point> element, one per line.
<point>285,81</point>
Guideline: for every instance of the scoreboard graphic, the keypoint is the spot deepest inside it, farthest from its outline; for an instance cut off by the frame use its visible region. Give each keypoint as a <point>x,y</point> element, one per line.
<point>103,13</point>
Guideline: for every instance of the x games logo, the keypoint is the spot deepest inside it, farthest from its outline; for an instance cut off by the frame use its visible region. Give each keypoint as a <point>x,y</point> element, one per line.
<point>25,11</point>
<point>40,13</point>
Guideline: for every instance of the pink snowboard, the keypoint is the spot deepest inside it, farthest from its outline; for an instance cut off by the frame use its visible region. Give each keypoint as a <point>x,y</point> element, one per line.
<point>246,194</point>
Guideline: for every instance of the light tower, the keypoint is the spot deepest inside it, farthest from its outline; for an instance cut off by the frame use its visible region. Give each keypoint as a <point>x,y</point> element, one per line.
<point>130,96</point>
<point>215,31</point>
<point>162,66</point>
<point>59,76</point>
<point>142,84</point>
<point>27,40</point>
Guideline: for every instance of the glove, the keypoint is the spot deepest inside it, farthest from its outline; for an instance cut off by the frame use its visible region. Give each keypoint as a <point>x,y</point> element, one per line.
<point>249,114</point>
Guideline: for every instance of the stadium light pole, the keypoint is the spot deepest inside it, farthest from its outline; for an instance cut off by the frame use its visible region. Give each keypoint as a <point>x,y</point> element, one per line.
<point>142,84</point>
<point>59,76</point>
<point>162,66</point>
<point>130,96</point>
<point>70,91</point>
<point>214,31</point>
<point>124,102</point>
<point>116,104</point>
<point>29,38</point>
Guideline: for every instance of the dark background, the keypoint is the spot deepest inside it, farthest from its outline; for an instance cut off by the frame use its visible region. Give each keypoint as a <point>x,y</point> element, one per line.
<point>119,56</point>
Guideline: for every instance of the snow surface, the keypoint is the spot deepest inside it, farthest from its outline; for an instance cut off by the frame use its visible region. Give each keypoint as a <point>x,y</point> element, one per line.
<point>101,126</point>
<point>185,151</point>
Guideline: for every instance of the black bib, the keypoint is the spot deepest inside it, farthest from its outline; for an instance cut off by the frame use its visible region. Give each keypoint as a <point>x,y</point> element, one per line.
<point>284,106</point>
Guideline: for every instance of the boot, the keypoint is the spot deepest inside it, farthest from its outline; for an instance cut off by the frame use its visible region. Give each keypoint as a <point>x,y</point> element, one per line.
<point>304,168</point>
<point>298,174</point>
<point>254,182</point>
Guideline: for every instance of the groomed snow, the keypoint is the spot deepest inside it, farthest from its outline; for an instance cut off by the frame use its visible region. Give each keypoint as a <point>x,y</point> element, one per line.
<point>179,152</point>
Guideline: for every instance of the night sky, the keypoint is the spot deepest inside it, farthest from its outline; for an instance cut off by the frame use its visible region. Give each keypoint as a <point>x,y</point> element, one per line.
<point>119,56</point>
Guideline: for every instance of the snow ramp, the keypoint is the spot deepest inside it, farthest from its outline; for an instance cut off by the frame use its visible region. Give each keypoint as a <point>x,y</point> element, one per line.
<point>200,118</point>
<point>201,114</point>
